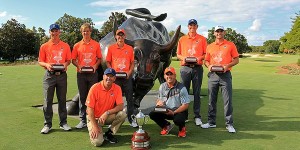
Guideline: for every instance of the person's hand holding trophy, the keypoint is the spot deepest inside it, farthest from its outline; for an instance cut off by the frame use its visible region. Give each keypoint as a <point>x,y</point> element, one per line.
<point>58,66</point>
<point>120,73</point>
<point>87,68</point>
<point>217,67</point>
<point>191,60</point>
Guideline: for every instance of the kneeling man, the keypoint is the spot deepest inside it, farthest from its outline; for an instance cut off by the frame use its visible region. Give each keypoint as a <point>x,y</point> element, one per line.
<point>174,97</point>
<point>104,107</point>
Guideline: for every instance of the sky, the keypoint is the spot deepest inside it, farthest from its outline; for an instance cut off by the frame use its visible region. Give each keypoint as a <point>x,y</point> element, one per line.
<point>257,20</point>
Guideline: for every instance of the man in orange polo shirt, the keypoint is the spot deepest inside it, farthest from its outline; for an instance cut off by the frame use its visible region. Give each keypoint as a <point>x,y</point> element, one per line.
<point>190,51</point>
<point>120,57</point>
<point>221,56</point>
<point>86,56</point>
<point>51,54</point>
<point>105,107</point>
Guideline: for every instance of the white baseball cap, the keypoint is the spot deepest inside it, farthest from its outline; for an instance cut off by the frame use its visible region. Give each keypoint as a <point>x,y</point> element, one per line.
<point>219,28</point>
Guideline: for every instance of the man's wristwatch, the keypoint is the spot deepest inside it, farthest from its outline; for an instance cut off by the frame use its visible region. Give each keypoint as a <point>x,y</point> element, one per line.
<point>107,112</point>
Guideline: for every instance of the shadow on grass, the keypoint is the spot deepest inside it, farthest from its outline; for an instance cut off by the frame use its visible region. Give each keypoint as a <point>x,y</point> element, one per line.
<point>246,105</point>
<point>266,60</point>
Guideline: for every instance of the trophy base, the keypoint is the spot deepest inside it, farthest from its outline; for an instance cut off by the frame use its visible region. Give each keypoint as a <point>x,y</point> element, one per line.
<point>190,60</point>
<point>217,69</point>
<point>121,75</point>
<point>58,67</point>
<point>87,69</point>
<point>140,141</point>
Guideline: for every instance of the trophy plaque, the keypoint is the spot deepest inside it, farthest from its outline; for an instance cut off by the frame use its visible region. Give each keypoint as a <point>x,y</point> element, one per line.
<point>120,73</point>
<point>190,60</point>
<point>217,67</point>
<point>87,68</point>
<point>140,139</point>
<point>161,109</point>
<point>58,66</point>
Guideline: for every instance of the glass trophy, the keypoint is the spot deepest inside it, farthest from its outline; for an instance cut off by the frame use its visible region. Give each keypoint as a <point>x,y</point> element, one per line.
<point>87,60</point>
<point>58,66</point>
<point>191,59</point>
<point>217,67</point>
<point>121,65</point>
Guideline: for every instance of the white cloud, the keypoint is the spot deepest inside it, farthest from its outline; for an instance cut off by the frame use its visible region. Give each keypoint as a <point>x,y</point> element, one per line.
<point>239,15</point>
<point>99,23</point>
<point>256,25</point>
<point>3,14</point>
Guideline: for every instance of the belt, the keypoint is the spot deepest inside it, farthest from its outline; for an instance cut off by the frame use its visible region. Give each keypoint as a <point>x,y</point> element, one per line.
<point>192,65</point>
<point>56,72</point>
<point>221,72</point>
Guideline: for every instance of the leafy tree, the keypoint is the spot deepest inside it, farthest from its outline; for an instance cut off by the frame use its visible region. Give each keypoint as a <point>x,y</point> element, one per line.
<point>108,25</point>
<point>257,49</point>
<point>231,35</point>
<point>30,49</point>
<point>271,46</point>
<point>70,28</point>
<point>290,41</point>
<point>14,40</point>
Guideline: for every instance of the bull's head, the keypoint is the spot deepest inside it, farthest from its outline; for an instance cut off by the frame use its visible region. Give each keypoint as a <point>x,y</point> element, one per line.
<point>148,62</point>
<point>151,58</point>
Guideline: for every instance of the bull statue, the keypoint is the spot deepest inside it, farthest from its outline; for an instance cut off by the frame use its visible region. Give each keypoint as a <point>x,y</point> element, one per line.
<point>152,51</point>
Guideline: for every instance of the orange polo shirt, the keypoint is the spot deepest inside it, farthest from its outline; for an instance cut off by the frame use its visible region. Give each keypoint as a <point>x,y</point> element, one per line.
<point>86,51</point>
<point>102,100</point>
<point>120,58</point>
<point>191,47</point>
<point>50,51</point>
<point>223,52</point>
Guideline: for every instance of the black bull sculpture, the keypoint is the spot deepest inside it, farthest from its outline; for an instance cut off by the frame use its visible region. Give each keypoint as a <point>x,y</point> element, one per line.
<point>152,52</point>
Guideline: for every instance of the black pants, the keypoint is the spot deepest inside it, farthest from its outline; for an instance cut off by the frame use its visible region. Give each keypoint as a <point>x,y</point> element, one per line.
<point>126,86</point>
<point>161,118</point>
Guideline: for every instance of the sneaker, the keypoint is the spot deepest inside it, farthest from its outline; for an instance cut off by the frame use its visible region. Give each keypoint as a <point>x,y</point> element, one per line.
<point>207,125</point>
<point>182,133</point>
<point>198,121</point>
<point>110,138</point>
<point>166,129</point>
<point>81,125</point>
<point>134,124</point>
<point>45,130</point>
<point>66,127</point>
<point>230,129</point>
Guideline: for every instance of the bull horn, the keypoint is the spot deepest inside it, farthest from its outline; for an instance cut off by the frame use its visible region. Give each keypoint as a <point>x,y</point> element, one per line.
<point>170,45</point>
<point>145,13</point>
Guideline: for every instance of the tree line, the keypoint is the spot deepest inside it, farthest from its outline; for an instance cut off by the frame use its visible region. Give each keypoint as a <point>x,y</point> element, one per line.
<point>16,41</point>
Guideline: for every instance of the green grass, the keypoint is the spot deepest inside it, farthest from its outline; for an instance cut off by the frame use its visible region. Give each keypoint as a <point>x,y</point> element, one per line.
<point>266,112</point>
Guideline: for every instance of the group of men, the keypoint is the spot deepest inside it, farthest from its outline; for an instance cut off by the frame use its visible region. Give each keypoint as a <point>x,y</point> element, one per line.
<point>101,103</point>
<point>192,51</point>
